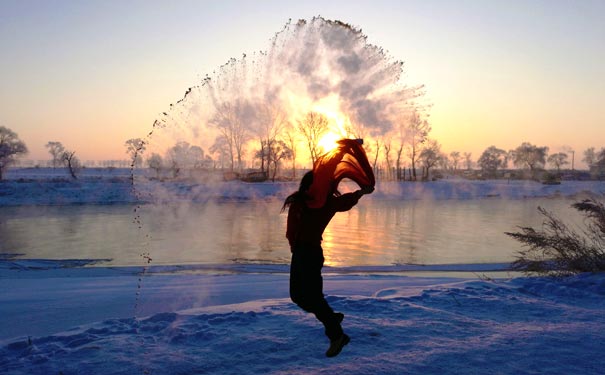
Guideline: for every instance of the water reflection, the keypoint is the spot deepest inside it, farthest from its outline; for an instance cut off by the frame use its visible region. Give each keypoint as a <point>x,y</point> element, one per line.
<point>375,232</point>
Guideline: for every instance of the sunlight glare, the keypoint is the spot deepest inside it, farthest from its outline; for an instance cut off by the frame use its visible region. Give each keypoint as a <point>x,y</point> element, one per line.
<point>328,141</point>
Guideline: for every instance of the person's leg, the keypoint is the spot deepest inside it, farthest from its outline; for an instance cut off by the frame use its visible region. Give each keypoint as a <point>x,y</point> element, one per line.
<point>306,289</point>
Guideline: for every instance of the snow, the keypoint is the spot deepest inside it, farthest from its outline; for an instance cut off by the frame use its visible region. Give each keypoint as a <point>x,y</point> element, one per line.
<point>76,317</point>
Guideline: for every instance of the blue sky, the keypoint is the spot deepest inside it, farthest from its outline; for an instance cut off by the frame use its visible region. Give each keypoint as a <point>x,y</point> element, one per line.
<point>92,74</point>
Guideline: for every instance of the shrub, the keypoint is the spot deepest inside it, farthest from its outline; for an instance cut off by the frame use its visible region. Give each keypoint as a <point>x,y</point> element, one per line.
<point>558,250</point>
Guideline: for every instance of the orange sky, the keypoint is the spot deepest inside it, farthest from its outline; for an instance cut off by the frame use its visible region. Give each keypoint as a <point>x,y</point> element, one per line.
<point>92,75</point>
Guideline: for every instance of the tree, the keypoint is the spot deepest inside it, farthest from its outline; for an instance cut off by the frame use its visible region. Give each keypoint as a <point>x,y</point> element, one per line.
<point>590,157</point>
<point>230,119</point>
<point>72,163</point>
<point>468,161</point>
<point>183,156</point>
<point>455,158</point>
<point>156,163</point>
<point>56,150</point>
<point>313,127</point>
<point>278,151</point>
<point>531,156</point>
<point>491,160</point>
<point>599,165</point>
<point>416,133</point>
<point>220,148</point>
<point>10,148</point>
<point>269,123</point>
<point>135,148</point>
<point>429,157</point>
<point>557,160</point>
<point>291,140</point>
<point>387,157</point>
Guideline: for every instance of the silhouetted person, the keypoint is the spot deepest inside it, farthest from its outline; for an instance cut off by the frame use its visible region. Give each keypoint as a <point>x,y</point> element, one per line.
<point>304,232</point>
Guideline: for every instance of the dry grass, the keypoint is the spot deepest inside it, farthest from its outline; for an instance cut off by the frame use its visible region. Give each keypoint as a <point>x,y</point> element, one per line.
<point>559,250</point>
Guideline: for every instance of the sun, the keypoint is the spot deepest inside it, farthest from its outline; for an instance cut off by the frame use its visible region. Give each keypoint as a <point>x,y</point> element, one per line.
<point>336,130</point>
<point>328,141</point>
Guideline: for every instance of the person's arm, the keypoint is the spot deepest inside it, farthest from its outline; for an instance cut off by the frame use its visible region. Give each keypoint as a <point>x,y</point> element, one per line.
<point>346,201</point>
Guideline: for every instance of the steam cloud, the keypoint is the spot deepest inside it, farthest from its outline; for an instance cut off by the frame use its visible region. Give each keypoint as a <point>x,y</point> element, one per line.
<point>307,62</point>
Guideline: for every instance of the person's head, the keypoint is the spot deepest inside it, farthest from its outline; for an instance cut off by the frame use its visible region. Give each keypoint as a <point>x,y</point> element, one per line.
<point>305,182</point>
<point>300,195</point>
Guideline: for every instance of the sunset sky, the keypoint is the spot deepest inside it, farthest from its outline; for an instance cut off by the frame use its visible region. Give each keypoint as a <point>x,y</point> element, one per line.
<point>92,74</point>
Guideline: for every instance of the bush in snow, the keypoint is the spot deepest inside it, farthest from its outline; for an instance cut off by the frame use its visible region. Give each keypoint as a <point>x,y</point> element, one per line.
<point>558,250</point>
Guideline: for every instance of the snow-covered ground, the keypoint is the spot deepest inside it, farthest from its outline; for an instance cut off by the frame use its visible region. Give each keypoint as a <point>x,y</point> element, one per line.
<point>65,317</point>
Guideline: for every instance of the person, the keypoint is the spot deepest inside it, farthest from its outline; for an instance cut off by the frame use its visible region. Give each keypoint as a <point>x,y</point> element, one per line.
<point>305,227</point>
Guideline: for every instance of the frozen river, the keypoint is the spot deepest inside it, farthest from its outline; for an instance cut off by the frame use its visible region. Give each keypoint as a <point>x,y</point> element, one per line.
<point>375,233</point>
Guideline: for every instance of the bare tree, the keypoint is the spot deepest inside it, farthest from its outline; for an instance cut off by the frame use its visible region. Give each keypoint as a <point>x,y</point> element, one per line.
<point>56,150</point>
<point>313,127</point>
<point>468,161</point>
<point>135,148</point>
<point>291,141</point>
<point>387,157</point>
<point>270,122</point>
<point>430,156</point>
<point>278,151</point>
<point>375,149</point>
<point>72,163</point>
<point>416,133</point>
<point>10,148</point>
<point>455,158</point>
<point>231,119</point>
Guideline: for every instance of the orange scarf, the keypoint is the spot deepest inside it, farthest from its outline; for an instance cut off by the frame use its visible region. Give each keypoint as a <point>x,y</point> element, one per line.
<point>347,160</point>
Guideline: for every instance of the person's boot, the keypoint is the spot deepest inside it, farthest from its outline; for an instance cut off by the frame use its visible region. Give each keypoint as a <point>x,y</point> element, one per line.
<point>336,345</point>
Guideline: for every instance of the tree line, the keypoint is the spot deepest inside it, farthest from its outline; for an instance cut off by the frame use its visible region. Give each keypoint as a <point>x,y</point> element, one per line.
<point>407,153</point>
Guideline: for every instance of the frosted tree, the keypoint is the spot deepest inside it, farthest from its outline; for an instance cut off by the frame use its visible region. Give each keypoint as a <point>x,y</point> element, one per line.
<point>491,160</point>
<point>231,119</point>
<point>183,156</point>
<point>10,148</point>
<point>156,163</point>
<point>220,148</point>
<point>56,150</point>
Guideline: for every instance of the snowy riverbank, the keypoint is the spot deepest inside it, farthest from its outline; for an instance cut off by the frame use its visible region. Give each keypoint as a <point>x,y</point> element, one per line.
<point>65,317</point>
<point>90,321</point>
